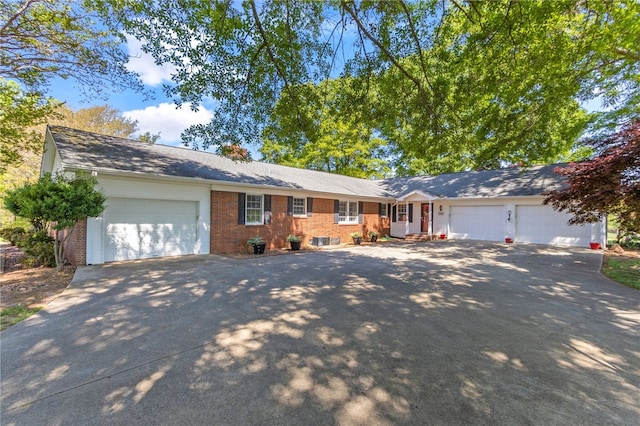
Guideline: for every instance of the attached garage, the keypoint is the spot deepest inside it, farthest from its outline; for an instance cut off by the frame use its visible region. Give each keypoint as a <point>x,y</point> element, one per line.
<point>543,225</point>
<point>477,222</point>
<point>139,229</point>
<point>161,200</point>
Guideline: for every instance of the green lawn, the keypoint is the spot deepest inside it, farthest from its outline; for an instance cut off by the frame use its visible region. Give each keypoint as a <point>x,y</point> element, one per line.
<point>14,314</point>
<point>625,270</point>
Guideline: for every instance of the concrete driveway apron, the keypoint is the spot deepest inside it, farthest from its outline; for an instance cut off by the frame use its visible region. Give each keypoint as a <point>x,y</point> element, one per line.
<point>426,333</point>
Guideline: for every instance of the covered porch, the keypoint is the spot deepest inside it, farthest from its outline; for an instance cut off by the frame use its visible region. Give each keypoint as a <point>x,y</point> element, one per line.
<point>412,216</point>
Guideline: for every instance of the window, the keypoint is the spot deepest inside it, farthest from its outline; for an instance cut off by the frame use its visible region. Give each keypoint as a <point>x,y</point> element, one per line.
<point>254,210</point>
<point>348,212</point>
<point>299,206</point>
<point>384,212</point>
<point>402,212</point>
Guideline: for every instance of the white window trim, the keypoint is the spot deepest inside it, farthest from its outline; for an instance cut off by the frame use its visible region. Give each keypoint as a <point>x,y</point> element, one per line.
<point>246,209</point>
<point>304,206</point>
<point>346,221</point>
<point>386,210</point>
<point>399,214</point>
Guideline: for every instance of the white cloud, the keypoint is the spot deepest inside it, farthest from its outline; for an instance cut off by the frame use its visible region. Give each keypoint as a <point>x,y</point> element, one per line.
<point>169,120</point>
<point>143,64</point>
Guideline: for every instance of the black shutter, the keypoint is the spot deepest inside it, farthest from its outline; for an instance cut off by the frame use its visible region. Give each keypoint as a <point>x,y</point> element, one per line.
<point>267,209</point>
<point>336,211</point>
<point>410,213</point>
<point>289,206</point>
<point>242,198</point>
<point>309,206</point>
<point>389,209</point>
<point>360,212</point>
<point>394,209</point>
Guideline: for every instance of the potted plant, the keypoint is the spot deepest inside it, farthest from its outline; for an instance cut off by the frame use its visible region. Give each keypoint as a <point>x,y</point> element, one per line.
<point>295,241</point>
<point>373,236</point>
<point>357,237</point>
<point>258,244</point>
<point>508,239</point>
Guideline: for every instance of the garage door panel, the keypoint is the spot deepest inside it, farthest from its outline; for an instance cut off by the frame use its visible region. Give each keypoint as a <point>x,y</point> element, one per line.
<point>543,225</point>
<point>477,222</point>
<point>139,229</point>
<point>138,206</point>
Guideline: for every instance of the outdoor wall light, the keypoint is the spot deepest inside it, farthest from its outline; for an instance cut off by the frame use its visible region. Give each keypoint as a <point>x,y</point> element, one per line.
<point>440,208</point>
<point>508,215</point>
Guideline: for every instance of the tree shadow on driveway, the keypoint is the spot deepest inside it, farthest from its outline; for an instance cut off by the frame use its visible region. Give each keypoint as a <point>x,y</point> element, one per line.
<point>439,332</point>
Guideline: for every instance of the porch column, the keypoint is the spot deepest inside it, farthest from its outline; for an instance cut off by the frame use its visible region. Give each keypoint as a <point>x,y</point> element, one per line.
<point>430,227</point>
<point>406,218</point>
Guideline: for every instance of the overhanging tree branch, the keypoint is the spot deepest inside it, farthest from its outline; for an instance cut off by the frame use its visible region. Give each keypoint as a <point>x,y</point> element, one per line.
<point>15,16</point>
<point>380,46</point>
<point>273,58</point>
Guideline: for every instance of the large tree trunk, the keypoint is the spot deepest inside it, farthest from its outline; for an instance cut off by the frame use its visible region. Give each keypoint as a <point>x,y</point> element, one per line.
<point>58,247</point>
<point>57,251</point>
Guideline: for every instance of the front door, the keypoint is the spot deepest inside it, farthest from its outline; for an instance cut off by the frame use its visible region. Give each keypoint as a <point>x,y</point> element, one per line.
<point>424,217</point>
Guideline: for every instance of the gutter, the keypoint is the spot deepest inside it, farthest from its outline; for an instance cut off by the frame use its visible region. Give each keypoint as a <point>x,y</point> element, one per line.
<point>221,184</point>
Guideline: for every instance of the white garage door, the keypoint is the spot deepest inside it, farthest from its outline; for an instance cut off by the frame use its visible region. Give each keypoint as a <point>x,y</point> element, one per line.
<point>139,229</point>
<point>477,223</point>
<point>543,225</point>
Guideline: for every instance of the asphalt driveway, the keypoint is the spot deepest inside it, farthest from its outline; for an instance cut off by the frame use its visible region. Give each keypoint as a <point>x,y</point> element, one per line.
<point>426,333</point>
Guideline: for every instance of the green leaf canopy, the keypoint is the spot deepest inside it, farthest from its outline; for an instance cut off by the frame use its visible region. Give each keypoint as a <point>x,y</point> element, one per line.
<point>453,85</point>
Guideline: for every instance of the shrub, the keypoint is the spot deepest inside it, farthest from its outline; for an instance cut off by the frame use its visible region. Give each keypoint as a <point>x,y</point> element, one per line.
<point>39,246</point>
<point>631,241</point>
<point>57,203</point>
<point>257,240</point>
<point>14,235</point>
<point>28,262</point>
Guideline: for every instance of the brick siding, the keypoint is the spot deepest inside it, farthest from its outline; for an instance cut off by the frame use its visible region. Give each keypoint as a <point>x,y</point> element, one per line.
<point>227,236</point>
<point>76,246</point>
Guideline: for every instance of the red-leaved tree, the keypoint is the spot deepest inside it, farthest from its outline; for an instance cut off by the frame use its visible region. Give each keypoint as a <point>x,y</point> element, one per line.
<point>607,184</point>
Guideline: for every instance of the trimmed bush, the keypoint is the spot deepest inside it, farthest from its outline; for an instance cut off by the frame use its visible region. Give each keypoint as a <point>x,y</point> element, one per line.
<point>14,235</point>
<point>39,246</point>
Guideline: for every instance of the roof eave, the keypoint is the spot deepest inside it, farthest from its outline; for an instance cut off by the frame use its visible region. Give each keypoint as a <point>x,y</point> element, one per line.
<point>420,194</point>
<point>216,184</point>
<point>493,197</point>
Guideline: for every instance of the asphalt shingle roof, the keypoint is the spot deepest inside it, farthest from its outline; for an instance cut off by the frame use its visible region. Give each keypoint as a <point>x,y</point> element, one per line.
<point>510,182</point>
<point>79,149</point>
<point>90,151</point>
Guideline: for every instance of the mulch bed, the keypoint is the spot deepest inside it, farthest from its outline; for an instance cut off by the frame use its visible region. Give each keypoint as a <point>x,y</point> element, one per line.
<point>10,258</point>
<point>29,286</point>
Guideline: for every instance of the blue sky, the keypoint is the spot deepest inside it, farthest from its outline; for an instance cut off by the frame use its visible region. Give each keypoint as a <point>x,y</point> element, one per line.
<point>153,115</point>
<point>161,114</point>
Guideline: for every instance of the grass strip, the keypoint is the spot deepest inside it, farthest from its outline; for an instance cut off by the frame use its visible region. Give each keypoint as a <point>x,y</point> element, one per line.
<point>14,314</point>
<point>624,270</point>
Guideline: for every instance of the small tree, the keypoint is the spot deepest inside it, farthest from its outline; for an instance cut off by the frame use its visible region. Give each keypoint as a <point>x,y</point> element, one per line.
<point>56,203</point>
<point>607,184</point>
